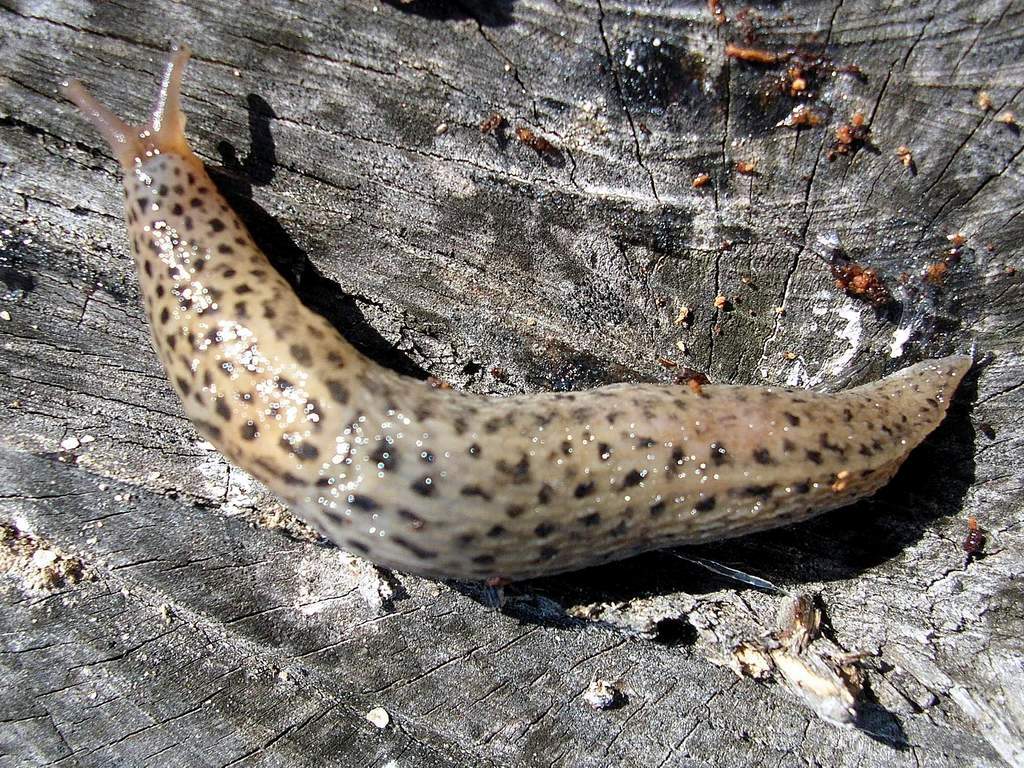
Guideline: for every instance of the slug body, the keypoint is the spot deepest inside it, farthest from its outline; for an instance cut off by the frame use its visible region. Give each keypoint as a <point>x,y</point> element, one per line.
<point>450,484</point>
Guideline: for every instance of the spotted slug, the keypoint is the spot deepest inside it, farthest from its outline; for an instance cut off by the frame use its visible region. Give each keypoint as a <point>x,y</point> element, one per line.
<point>449,484</point>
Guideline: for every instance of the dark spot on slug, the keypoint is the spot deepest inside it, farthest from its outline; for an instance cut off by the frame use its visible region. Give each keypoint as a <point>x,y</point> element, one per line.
<point>591,520</point>
<point>719,455</point>
<point>223,409</point>
<point>762,456</point>
<point>474,451</point>
<point>338,391</point>
<point>165,315</point>
<point>384,456</point>
<point>646,442</point>
<point>584,489</point>
<point>358,546</point>
<point>547,552</point>
<point>802,488</point>
<point>495,531</point>
<point>483,559</point>
<point>475,490</point>
<point>424,486</point>
<point>417,551</point>
<point>705,505</point>
<point>813,456</point>
<point>829,446</point>
<point>183,385</point>
<point>303,450</point>
<point>301,354</point>
<point>619,530</point>
<point>249,431</point>
<point>365,503</point>
<point>634,477</point>
<point>793,419</point>
<point>514,510</point>
<point>657,508</point>
<point>544,529</point>
<point>761,491</point>
<point>415,521</point>
<point>545,493</point>
<point>519,472</point>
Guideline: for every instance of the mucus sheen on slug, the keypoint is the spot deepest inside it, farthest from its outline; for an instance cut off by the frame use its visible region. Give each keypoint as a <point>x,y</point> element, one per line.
<point>451,484</point>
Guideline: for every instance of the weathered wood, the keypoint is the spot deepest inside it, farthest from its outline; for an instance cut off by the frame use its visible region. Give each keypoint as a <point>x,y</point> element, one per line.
<point>211,629</point>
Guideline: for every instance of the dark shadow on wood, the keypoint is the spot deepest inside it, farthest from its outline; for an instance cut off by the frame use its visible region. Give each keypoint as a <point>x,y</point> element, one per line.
<point>487,13</point>
<point>236,180</point>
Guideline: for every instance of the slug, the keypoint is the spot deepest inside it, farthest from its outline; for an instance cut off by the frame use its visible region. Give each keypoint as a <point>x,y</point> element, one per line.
<point>448,484</point>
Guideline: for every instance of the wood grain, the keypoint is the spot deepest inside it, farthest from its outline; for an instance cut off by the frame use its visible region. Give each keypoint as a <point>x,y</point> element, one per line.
<point>211,629</point>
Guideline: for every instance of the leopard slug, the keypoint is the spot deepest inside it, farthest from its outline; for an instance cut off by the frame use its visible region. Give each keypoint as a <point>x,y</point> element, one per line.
<point>451,484</point>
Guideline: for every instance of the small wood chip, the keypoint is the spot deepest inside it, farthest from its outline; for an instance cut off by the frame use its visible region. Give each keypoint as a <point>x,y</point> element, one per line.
<point>721,302</point>
<point>715,6</point>
<point>1006,118</point>
<point>601,694</point>
<point>700,180</point>
<point>984,101</point>
<point>683,318</point>
<point>753,55</point>
<point>493,123</point>
<point>379,717</point>
<point>746,167</point>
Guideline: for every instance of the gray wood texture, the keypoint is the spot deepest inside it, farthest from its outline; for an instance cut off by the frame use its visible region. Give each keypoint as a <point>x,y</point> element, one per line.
<point>158,608</point>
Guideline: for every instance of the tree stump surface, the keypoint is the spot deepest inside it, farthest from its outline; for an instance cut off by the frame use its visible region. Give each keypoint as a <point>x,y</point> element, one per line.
<point>160,608</point>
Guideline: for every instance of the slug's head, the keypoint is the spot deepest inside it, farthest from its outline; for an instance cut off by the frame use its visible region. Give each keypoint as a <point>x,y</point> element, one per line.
<point>163,134</point>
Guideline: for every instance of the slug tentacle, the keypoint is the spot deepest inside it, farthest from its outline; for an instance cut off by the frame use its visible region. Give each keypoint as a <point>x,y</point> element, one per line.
<point>165,131</point>
<point>450,484</point>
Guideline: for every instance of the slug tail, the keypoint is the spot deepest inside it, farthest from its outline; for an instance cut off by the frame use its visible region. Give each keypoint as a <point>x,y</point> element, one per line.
<point>163,134</point>
<point>923,391</point>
